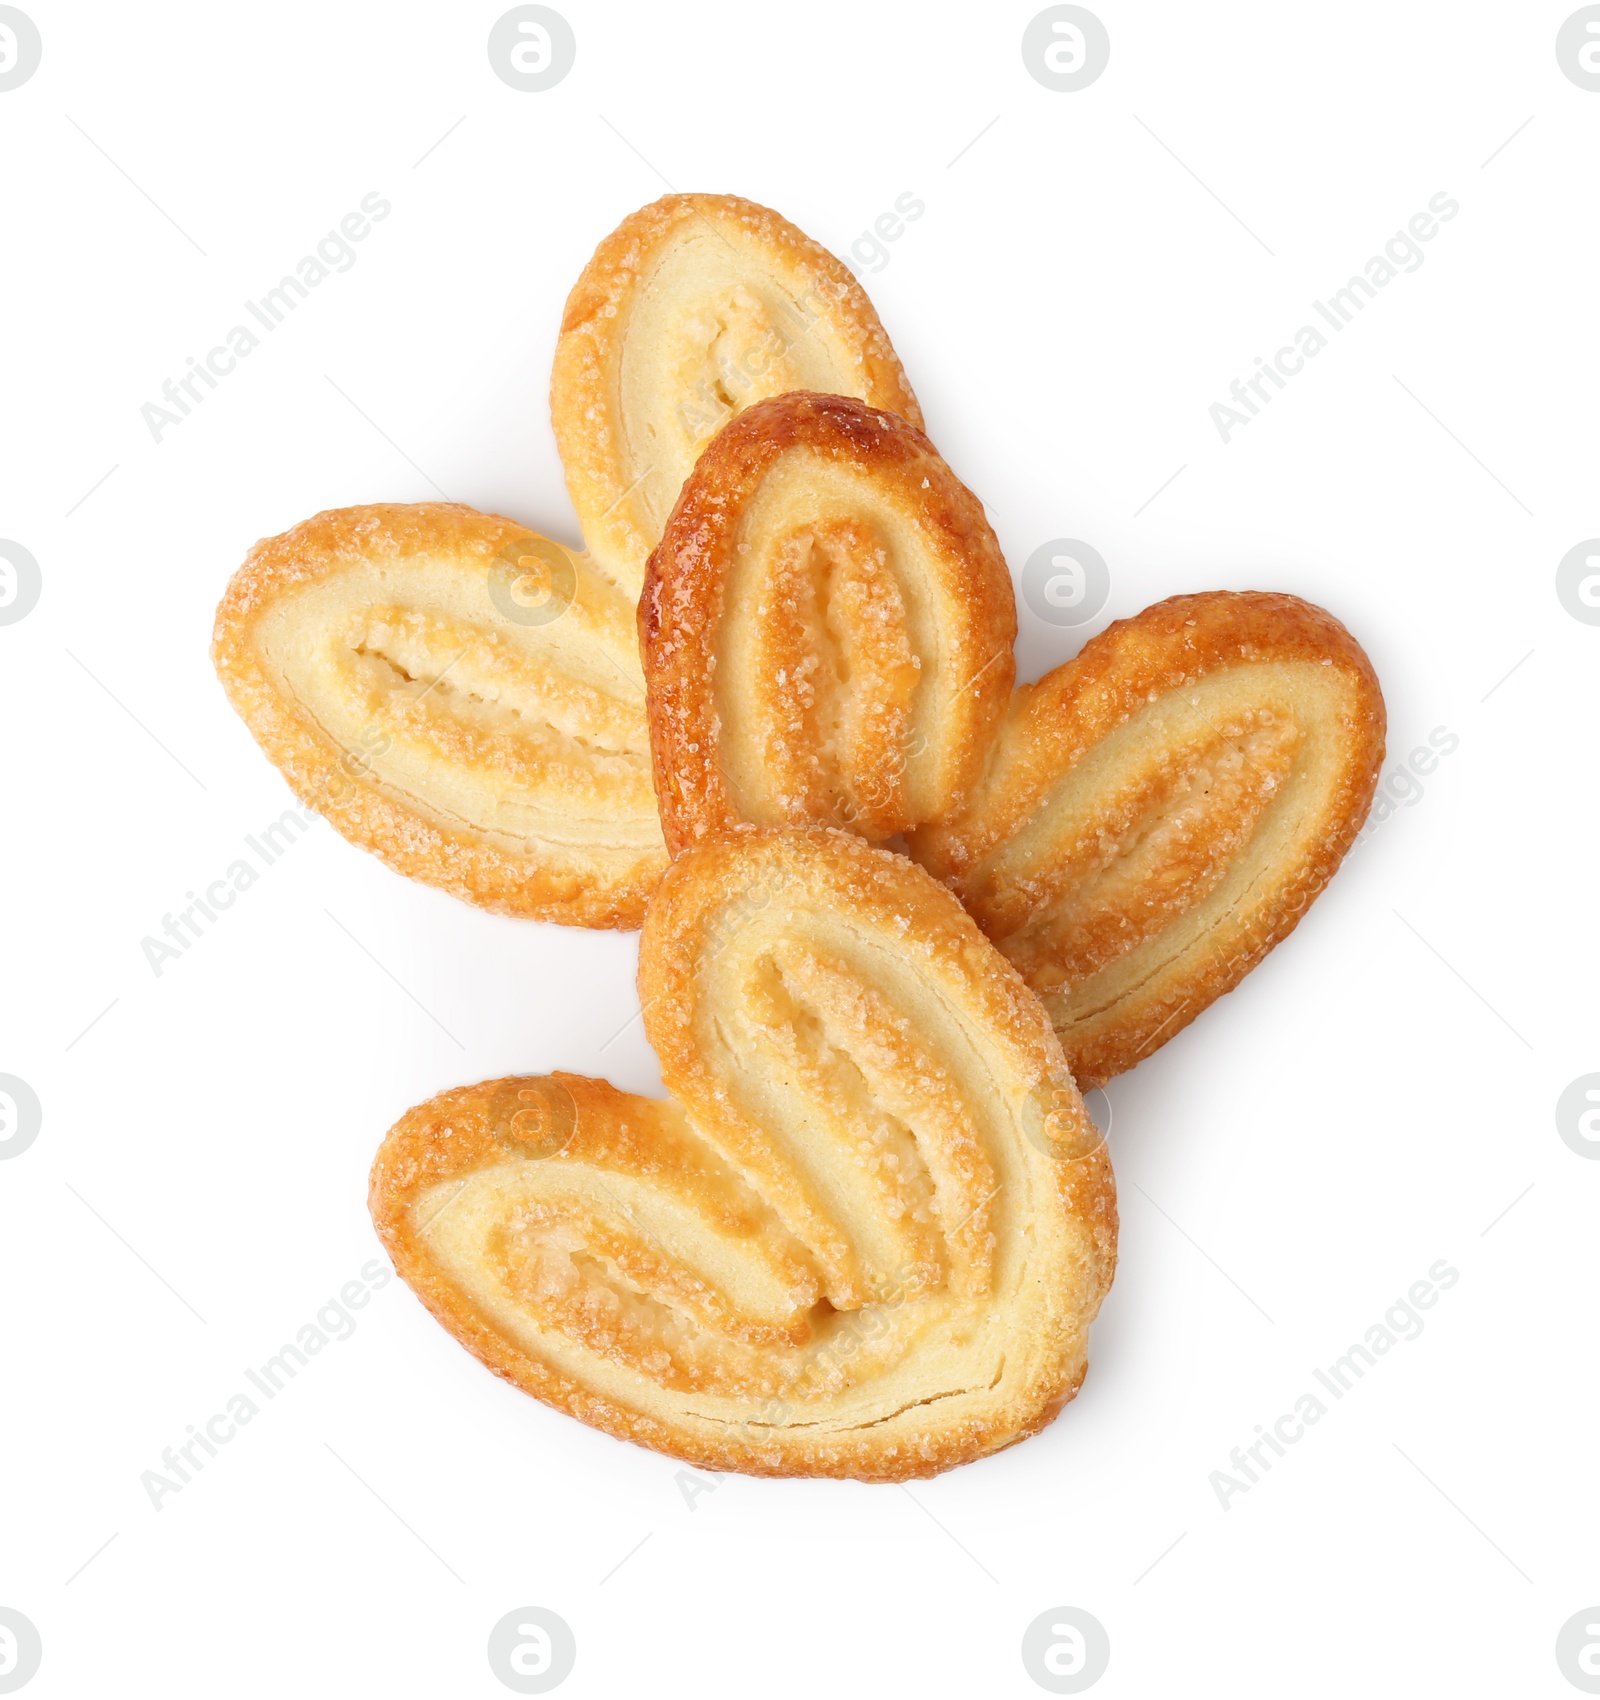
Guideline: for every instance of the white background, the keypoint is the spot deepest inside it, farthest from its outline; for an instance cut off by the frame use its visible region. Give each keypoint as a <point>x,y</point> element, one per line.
<point>1074,298</point>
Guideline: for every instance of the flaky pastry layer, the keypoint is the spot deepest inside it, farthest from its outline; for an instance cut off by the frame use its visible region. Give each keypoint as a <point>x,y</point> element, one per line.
<point>690,310</point>
<point>865,1237</point>
<point>1161,810</point>
<point>827,628</point>
<point>459,696</point>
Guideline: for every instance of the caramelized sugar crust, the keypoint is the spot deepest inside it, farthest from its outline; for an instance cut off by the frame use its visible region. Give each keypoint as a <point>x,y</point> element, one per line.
<point>692,309</point>
<point>864,1237</point>
<point>457,695</point>
<point>827,628</point>
<point>1161,810</point>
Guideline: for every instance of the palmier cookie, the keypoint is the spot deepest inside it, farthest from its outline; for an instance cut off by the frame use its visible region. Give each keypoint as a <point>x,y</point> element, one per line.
<point>1160,811</point>
<point>458,695</point>
<point>690,310</point>
<point>866,1236</point>
<point>827,628</point>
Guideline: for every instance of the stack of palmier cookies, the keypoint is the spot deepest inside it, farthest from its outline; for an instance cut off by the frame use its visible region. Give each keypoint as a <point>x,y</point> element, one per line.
<point>895,911</point>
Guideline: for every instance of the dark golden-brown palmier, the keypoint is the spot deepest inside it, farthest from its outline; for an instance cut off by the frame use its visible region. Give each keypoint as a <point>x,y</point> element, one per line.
<point>827,628</point>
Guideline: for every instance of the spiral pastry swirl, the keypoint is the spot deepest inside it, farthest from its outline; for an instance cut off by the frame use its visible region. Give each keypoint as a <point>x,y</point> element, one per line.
<point>865,1237</point>
<point>1160,811</point>
<point>690,310</point>
<point>827,628</point>
<point>459,696</point>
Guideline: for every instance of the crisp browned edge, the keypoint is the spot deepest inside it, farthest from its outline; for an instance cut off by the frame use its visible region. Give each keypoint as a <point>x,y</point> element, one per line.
<point>1162,649</point>
<point>597,312</point>
<point>681,607</point>
<point>411,844</point>
<point>451,1135</point>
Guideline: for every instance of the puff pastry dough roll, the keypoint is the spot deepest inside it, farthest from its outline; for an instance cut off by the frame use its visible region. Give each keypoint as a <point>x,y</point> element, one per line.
<point>458,695</point>
<point>827,628</point>
<point>690,310</point>
<point>867,1235</point>
<point>1159,812</point>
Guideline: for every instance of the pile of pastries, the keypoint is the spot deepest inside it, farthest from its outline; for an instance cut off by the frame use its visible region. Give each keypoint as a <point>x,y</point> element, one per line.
<point>896,913</point>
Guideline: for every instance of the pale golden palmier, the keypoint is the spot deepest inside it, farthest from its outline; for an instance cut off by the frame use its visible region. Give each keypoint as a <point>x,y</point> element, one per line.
<point>458,695</point>
<point>827,628</point>
<point>1159,812</point>
<point>865,1237</point>
<point>690,310</point>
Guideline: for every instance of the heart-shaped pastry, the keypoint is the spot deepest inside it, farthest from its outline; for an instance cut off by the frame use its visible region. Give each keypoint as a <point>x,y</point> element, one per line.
<point>690,310</point>
<point>458,695</point>
<point>867,1235</point>
<point>1160,811</point>
<point>827,628</point>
